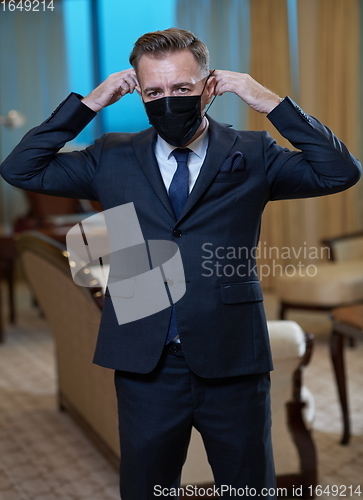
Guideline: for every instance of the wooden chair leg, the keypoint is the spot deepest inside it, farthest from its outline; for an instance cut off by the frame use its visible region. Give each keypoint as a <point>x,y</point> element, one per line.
<point>305,446</point>
<point>10,279</point>
<point>1,318</point>
<point>352,342</point>
<point>283,309</point>
<point>337,357</point>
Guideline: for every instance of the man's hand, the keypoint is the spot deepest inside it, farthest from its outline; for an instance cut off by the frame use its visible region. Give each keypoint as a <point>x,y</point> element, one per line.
<point>252,92</point>
<point>112,89</point>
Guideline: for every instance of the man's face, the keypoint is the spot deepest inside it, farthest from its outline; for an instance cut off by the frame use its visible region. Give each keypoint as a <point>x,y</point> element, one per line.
<point>177,74</point>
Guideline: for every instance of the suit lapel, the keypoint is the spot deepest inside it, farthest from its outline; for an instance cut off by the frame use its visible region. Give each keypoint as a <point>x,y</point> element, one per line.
<point>144,145</point>
<point>221,140</point>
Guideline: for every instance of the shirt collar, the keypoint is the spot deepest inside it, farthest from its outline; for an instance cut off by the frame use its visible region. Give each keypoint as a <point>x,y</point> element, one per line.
<point>199,146</point>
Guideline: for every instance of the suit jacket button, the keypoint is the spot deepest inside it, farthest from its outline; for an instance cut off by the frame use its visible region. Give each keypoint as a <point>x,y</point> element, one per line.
<point>177,233</point>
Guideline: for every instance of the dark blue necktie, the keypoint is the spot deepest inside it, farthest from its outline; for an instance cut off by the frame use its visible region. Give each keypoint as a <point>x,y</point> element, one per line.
<point>178,194</point>
<point>179,187</point>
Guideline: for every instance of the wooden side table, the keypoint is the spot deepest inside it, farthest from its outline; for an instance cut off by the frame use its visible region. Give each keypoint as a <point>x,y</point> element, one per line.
<point>7,259</point>
<point>348,324</point>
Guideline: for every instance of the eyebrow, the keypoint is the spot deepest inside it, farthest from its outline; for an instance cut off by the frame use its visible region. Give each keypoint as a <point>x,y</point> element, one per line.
<point>175,86</point>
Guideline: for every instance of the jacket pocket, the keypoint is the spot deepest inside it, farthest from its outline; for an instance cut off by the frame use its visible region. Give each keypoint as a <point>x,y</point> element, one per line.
<point>238,176</point>
<point>233,293</point>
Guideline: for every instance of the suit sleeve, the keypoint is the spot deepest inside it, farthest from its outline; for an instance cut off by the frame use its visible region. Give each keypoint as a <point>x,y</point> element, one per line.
<point>323,164</point>
<point>36,165</point>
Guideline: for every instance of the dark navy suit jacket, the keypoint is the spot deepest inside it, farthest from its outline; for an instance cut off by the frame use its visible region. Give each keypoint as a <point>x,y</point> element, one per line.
<point>221,319</point>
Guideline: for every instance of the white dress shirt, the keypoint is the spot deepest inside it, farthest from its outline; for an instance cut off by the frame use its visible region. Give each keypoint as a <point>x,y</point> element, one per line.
<point>167,162</point>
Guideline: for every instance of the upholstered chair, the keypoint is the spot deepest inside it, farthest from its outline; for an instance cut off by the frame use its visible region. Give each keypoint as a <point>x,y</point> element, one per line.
<point>335,283</point>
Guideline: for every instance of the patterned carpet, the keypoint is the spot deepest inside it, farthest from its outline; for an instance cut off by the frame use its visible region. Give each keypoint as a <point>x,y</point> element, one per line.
<point>44,455</point>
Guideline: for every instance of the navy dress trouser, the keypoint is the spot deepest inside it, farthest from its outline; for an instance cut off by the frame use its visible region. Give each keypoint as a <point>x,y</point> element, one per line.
<point>156,415</point>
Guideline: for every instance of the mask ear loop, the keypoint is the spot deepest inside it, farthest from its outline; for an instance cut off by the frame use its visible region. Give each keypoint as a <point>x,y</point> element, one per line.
<point>210,104</point>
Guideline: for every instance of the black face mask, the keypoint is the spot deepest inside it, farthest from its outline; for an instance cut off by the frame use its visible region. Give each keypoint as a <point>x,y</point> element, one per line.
<point>176,119</point>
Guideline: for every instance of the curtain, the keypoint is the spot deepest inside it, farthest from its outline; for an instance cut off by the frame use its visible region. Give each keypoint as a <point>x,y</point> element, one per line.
<point>338,88</point>
<point>33,80</point>
<point>329,89</point>
<point>225,28</point>
<point>270,65</point>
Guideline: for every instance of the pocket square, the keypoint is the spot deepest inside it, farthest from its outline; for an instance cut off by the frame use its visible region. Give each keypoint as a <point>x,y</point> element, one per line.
<point>234,163</point>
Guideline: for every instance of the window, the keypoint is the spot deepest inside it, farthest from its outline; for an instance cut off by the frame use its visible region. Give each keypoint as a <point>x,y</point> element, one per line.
<point>99,38</point>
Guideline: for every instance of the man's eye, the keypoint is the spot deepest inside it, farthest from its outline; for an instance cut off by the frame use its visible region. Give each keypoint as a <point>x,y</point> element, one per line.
<point>182,91</point>
<point>154,93</point>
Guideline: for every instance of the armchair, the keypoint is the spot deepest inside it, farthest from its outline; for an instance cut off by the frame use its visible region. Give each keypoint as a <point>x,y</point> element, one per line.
<point>338,282</point>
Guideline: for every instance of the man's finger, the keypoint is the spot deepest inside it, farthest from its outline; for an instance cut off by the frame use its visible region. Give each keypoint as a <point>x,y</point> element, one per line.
<point>218,89</point>
<point>131,81</point>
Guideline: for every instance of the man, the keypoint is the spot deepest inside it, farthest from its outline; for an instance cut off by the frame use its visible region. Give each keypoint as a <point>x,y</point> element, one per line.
<point>205,361</point>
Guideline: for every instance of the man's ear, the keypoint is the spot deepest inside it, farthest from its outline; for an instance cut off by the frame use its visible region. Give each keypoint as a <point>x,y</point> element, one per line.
<point>138,90</point>
<point>209,88</point>
<point>137,86</point>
